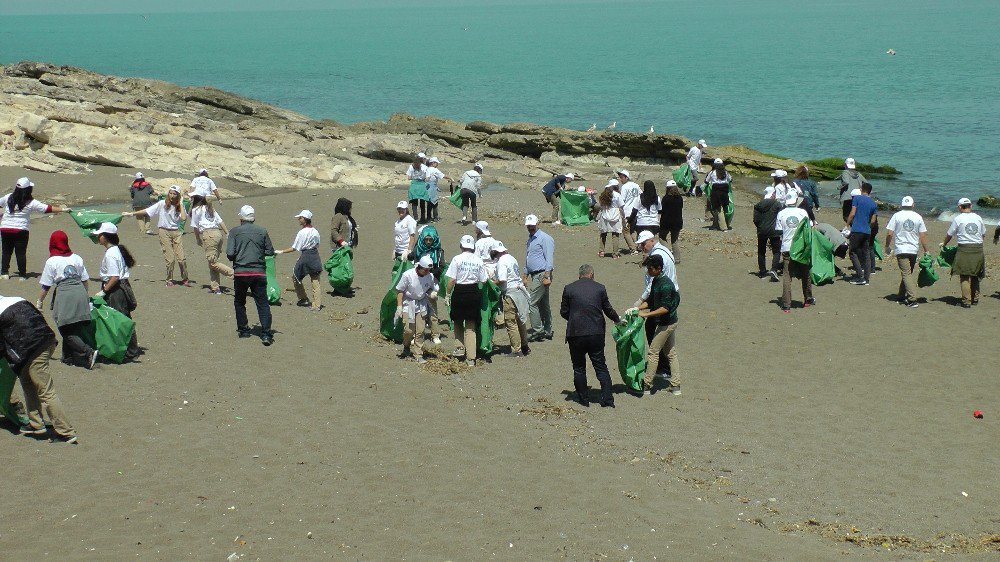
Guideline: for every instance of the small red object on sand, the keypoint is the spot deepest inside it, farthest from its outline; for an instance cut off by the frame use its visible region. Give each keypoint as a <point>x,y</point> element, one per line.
<point>978,414</point>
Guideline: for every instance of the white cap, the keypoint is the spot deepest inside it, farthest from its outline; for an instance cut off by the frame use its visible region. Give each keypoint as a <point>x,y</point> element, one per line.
<point>421,155</point>
<point>570,176</point>
<point>906,202</point>
<point>175,188</point>
<point>718,161</point>
<point>247,213</point>
<point>402,205</point>
<point>855,191</point>
<point>498,247</point>
<point>644,236</point>
<point>139,176</point>
<point>582,189</point>
<point>478,165</point>
<point>531,220</point>
<point>850,163</point>
<point>671,183</point>
<point>702,143</point>
<point>792,200</point>
<point>612,183</point>
<point>467,242</point>
<point>425,262</point>
<point>964,201</point>
<point>305,214</point>
<point>779,174</point>
<point>433,160</point>
<point>483,227</point>
<point>105,228</point>
<point>768,192</point>
<point>202,171</point>
<point>23,183</point>
<point>624,173</point>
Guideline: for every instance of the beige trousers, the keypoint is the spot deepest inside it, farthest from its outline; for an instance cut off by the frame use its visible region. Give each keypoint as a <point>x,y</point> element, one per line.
<point>516,330</point>
<point>614,241</point>
<point>317,291</point>
<point>663,340</point>
<point>906,289</point>
<point>142,221</point>
<point>173,252</point>
<point>211,242</point>
<point>970,289</point>
<point>554,201</point>
<point>413,334</point>
<point>465,339</point>
<point>40,395</point>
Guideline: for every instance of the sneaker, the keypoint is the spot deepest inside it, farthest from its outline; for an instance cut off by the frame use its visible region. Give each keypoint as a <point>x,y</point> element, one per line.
<point>5,277</point>
<point>243,333</point>
<point>437,340</point>
<point>93,359</point>
<point>72,439</point>
<point>525,350</point>
<point>774,275</point>
<point>315,308</point>
<point>406,354</point>
<point>809,302</point>
<point>966,305</point>
<point>675,390</point>
<point>607,404</point>
<point>911,304</point>
<point>458,353</point>
<point>421,360</point>
<point>859,282</point>
<point>150,232</point>
<point>470,362</point>
<point>267,339</point>
<point>556,222</point>
<point>33,432</point>
<point>786,310</point>
<point>187,283</point>
<point>170,283</point>
<point>215,292</point>
<point>303,303</point>
<point>663,375</point>
<point>647,392</point>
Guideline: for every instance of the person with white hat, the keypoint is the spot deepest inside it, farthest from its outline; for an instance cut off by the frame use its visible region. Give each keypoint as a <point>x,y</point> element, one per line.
<point>907,229</point>
<point>694,163</point>
<point>629,191</point>
<point>539,263</point>
<point>968,230</point>
<point>672,217</point>
<point>307,243</point>
<point>204,186</point>
<point>659,309</point>
<point>484,240</point>
<point>647,209</point>
<point>787,222</point>
<point>552,190</point>
<point>210,233</point>
<point>765,215</point>
<point>465,272</point>
<point>850,179</point>
<point>169,213</point>
<point>433,176</point>
<point>416,289</point>
<point>470,186</point>
<point>650,245</point>
<point>247,247</point>
<point>417,193</point>
<point>115,271</point>
<point>861,219</point>
<point>610,218</point>
<point>143,195</point>
<point>720,183</point>
<point>515,299</point>
<point>16,209</point>
<point>404,232</point>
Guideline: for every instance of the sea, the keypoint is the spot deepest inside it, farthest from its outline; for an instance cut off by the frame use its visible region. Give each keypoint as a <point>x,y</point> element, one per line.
<point>806,79</point>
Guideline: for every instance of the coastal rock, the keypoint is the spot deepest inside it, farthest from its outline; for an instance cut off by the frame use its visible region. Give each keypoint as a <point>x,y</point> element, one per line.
<point>34,127</point>
<point>989,201</point>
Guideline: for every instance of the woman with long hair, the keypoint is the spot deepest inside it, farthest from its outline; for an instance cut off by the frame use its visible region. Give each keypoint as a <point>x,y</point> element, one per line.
<point>307,244</point>
<point>65,271</point>
<point>609,218</point>
<point>169,213</point>
<point>720,183</point>
<point>647,210</point>
<point>16,209</point>
<point>210,232</point>
<point>115,272</point>
<point>672,218</point>
<point>343,227</point>
<point>417,194</point>
<point>465,272</point>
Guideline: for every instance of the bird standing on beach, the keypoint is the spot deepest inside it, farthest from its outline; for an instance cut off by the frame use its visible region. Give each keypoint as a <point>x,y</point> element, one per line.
<point>592,128</point>
<point>650,129</point>
<point>612,126</point>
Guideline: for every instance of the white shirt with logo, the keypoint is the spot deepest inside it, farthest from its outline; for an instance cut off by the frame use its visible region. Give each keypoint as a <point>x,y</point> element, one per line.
<point>629,197</point>
<point>483,247</point>
<point>648,216</point>
<point>166,217</point>
<point>694,158</point>
<point>787,221</point>
<point>203,185</point>
<point>402,230</point>
<point>306,239</point>
<point>416,290</point>
<point>55,271</point>
<point>967,228</point>
<point>466,269</point>
<point>906,227</point>
<point>509,272</point>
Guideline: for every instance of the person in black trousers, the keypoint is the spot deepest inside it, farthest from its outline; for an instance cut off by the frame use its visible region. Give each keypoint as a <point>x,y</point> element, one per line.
<point>584,305</point>
<point>247,247</point>
<point>765,212</point>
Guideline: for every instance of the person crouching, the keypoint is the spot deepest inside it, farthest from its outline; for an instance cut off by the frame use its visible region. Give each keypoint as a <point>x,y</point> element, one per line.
<point>416,288</point>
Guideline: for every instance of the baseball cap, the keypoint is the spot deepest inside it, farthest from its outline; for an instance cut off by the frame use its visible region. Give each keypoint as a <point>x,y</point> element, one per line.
<point>483,227</point>
<point>792,200</point>
<point>907,202</point>
<point>718,161</point>
<point>643,236</point>
<point>305,213</point>
<point>702,143</point>
<point>421,155</point>
<point>425,262</point>
<point>625,173</point>
<point>850,163</point>
<point>139,176</point>
<point>671,183</point>
<point>23,183</point>
<point>612,183</point>
<point>779,174</point>
<point>530,220</point>
<point>498,247</point>
<point>105,228</point>
<point>247,213</point>
<point>478,165</point>
<point>855,192</point>
<point>964,201</point>
<point>467,242</point>
<point>433,160</point>
<point>175,188</point>
<point>202,171</point>
<point>401,205</point>
<point>570,176</point>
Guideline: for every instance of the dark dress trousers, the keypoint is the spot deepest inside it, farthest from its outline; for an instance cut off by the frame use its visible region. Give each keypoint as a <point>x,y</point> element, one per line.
<point>584,305</point>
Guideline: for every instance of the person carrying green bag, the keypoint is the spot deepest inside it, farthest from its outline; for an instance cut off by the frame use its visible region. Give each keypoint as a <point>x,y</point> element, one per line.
<point>719,191</point>
<point>467,273</point>
<point>340,270</point>
<point>66,274</point>
<point>661,309</point>
<point>390,326</point>
<point>968,230</point>
<point>630,345</point>
<point>109,331</point>
<point>584,305</point>
<point>905,234</point>
<point>249,248</point>
<point>429,244</point>
<point>575,207</point>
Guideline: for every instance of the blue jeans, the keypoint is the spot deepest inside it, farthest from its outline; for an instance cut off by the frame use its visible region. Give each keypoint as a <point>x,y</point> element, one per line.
<point>257,287</point>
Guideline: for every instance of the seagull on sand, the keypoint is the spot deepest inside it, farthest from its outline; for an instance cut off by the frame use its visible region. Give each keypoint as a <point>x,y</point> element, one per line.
<point>612,126</point>
<point>650,129</point>
<point>592,128</point>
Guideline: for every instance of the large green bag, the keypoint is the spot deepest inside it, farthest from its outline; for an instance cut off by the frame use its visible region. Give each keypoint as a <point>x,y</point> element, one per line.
<point>730,209</point>
<point>927,275</point>
<point>417,190</point>
<point>488,308</point>
<point>822,269</point>
<point>630,345</point>
<point>947,256</point>
<point>7,378</point>
<point>574,207</point>
<point>89,219</point>
<point>878,249</point>
<point>683,176</point>
<point>390,329</point>
<point>456,198</point>
<point>109,331</point>
<point>340,270</point>
<point>273,290</point>
<point>801,248</point>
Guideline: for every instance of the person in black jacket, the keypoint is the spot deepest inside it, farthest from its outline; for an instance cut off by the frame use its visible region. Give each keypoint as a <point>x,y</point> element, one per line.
<point>765,213</point>
<point>672,218</point>
<point>584,305</point>
<point>27,343</point>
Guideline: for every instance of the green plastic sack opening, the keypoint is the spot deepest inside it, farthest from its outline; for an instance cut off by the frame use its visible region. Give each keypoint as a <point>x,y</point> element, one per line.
<point>574,206</point>
<point>7,378</point>
<point>811,248</point>
<point>730,209</point>
<point>88,220</point>
<point>388,327</point>
<point>878,249</point>
<point>109,331</point>
<point>947,256</point>
<point>456,198</point>
<point>683,177</point>
<point>927,275</point>
<point>489,304</point>
<point>273,289</point>
<point>630,346</point>
<point>340,270</point>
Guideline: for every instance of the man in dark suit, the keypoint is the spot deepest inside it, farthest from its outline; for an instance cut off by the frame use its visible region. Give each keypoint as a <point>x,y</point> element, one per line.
<point>584,305</point>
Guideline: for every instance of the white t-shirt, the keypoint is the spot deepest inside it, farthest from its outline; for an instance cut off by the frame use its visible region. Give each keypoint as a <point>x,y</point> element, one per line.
<point>166,217</point>
<point>467,268</point>
<point>906,227</point>
<point>647,216</point>
<point>416,174</point>
<point>787,221</point>
<point>483,247</point>
<point>306,238</point>
<point>509,272</point>
<point>629,197</point>
<point>19,219</point>
<point>403,228</point>
<point>201,221</point>
<point>433,175</point>
<point>669,269</point>
<point>967,228</point>
<point>113,265</point>
<point>416,290</point>
<point>203,185</point>
<point>694,158</point>
<point>55,269</point>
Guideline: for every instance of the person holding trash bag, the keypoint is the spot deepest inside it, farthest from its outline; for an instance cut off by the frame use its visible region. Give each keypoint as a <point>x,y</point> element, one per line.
<point>247,247</point>
<point>307,243</point>
<point>660,308</point>
<point>414,293</point>
<point>552,190</point>
<point>515,299</point>
<point>116,289</point>
<point>15,219</point>
<point>786,223</point>
<point>433,176</point>
<point>465,272</point>
<point>169,214</point>
<point>470,186</point>
<point>27,344</point>
<point>210,233</point>
<point>65,271</point>
<point>143,195</point>
<point>584,305</point>
<point>907,229</point>
<point>429,244</point>
<point>417,193</point>
<point>343,227</point>
<point>970,262</point>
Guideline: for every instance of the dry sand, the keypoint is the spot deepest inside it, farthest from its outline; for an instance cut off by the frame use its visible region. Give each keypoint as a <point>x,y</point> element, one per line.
<point>839,430</point>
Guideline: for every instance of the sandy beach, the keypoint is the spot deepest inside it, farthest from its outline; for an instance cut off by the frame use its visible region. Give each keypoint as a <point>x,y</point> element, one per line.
<point>841,430</point>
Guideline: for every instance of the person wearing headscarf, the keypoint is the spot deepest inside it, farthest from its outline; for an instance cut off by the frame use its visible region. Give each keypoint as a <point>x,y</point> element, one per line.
<point>465,272</point>
<point>429,244</point>
<point>16,209</point>
<point>66,271</point>
<point>343,227</point>
<point>307,244</point>
<point>143,195</point>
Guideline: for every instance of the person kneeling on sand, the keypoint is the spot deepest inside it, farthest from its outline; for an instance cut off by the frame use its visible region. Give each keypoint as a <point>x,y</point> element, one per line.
<point>247,247</point>
<point>660,310</point>
<point>416,288</point>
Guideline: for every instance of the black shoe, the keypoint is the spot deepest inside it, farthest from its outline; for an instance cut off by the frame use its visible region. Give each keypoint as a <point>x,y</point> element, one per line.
<point>267,339</point>
<point>607,404</point>
<point>303,302</point>
<point>549,335</point>
<point>243,333</point>
<point>774,276</point>
<point>584,403</point>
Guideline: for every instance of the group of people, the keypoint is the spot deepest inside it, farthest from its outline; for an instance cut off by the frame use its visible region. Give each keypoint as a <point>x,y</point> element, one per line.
<point>423,194</point>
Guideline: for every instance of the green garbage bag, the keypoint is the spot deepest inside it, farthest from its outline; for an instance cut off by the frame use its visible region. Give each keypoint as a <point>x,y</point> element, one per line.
<point>927,275</point>
<point>390,329</point>
<point>7,378</point>
<point>630,346</point>
<point>273,290</point>
<point>490,303</point>
<point>947,255</point>
<point>186,203</point>
<point>574,207</point>
<point>730,209</point>
<point>878,249</point>
<point>801,248</point>
<point>456,198</point>
<point>109,331</point>
<point>683,177</point>
<point>89,219</point>
<point>821,269</point>
<point>340,270</point>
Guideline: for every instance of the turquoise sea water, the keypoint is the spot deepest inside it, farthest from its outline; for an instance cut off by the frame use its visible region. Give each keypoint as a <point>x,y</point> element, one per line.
<point>805,79</point>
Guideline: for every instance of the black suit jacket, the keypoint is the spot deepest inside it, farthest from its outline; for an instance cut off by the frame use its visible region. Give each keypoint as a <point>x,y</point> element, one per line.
<point>584,305</point>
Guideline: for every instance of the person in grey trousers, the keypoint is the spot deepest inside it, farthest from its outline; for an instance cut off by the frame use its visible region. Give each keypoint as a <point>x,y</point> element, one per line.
<point>538,264</point>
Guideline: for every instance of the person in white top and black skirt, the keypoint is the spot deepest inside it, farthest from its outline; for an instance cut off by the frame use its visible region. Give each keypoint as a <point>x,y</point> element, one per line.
<point>465,272</point>
<point>115,286</point>
<point>307,243</point>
